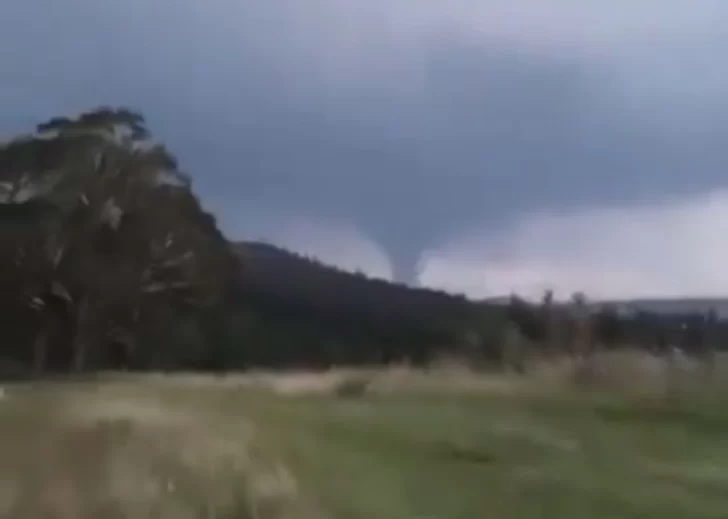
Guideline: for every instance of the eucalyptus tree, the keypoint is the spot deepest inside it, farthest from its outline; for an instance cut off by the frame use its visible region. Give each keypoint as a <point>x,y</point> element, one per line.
<point>127,230</point>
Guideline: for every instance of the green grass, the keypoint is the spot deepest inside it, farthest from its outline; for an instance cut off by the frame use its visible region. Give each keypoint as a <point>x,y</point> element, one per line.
<point>453,457</point>
<point>381,455</point>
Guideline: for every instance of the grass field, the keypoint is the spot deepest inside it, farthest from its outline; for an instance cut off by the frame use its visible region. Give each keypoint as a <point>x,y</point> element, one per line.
<point>299,446</point>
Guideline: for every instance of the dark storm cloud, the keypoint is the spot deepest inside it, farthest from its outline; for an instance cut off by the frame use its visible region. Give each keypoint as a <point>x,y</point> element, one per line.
<point>410,120</point>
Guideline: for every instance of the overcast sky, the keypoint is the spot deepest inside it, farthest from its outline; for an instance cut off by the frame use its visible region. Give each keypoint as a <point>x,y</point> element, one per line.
<point>498,144</point>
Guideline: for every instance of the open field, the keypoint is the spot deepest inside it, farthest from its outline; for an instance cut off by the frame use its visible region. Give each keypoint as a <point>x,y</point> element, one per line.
<point>393,445</point>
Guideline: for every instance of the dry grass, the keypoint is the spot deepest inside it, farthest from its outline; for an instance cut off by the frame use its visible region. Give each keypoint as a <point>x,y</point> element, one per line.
<point>628,372</point>
<point>80,453</point>
<point>634,373</point>
<point>265,445</point>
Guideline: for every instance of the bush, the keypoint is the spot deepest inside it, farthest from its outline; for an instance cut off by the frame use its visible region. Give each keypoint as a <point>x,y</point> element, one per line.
<point>352,387</point>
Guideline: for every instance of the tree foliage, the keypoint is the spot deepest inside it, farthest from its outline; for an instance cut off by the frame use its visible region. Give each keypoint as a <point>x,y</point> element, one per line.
<point>104,229</point>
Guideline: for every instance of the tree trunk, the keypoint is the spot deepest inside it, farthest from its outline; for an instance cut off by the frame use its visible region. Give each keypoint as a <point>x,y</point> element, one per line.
<point>708,346</point>
<point>79,355</point>
<point>129,348</point>
<point>40,349</point>
<point>80,339</point>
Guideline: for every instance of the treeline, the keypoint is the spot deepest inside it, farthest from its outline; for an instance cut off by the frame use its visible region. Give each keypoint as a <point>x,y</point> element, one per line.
<point>312,315</point>
<point>577,327</point>
<point>309,314</point>
<point>109,261</point>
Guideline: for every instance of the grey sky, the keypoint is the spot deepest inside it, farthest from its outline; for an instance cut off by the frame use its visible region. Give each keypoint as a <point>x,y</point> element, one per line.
<point>412,123</point>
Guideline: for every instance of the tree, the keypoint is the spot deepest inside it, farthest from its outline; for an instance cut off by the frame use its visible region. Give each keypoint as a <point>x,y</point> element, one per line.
<point>582,326</point>
<point>609,327</point>
<point>129,233</point>
<point>24,269</point>
<point>552,321</point>
<point>167,252</point>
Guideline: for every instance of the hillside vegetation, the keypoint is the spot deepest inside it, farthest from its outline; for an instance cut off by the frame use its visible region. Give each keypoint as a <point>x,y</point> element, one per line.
<point>110,261</point>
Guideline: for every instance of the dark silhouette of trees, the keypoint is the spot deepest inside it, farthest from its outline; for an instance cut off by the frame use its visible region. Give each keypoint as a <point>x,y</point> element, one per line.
<point>103,229</point>
<point>109,260</point>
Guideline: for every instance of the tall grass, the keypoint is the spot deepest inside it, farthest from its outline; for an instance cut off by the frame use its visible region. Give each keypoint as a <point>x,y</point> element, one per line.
<point>81,454</point>
<point>363,442</point>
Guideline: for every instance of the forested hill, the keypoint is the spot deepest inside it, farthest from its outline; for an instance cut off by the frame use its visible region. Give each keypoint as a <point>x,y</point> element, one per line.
<point>353,317</point>
<point>285,273</point>
<point>109,260</point>
<point>301,311</point>
<point>298,310</point>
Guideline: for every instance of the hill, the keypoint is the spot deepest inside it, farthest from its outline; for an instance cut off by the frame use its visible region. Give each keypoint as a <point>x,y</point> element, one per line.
<point>308,313</point>
<point>300,311</point>
<point>291,275</point>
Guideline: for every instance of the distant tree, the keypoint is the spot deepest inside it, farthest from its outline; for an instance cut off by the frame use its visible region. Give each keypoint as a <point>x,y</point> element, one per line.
<point>553,324</point>
<point>582,333</point>
<point>709,336</point>
<point>608,327</point>
<point>514,348</point>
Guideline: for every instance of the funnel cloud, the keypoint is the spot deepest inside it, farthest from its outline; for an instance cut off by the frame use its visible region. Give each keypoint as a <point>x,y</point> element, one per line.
<point>418,129</point>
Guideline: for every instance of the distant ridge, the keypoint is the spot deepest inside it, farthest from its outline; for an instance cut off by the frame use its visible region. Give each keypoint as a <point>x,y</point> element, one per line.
<point>666,306</point>
<point>674,305</point>
<point>266,263</point>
